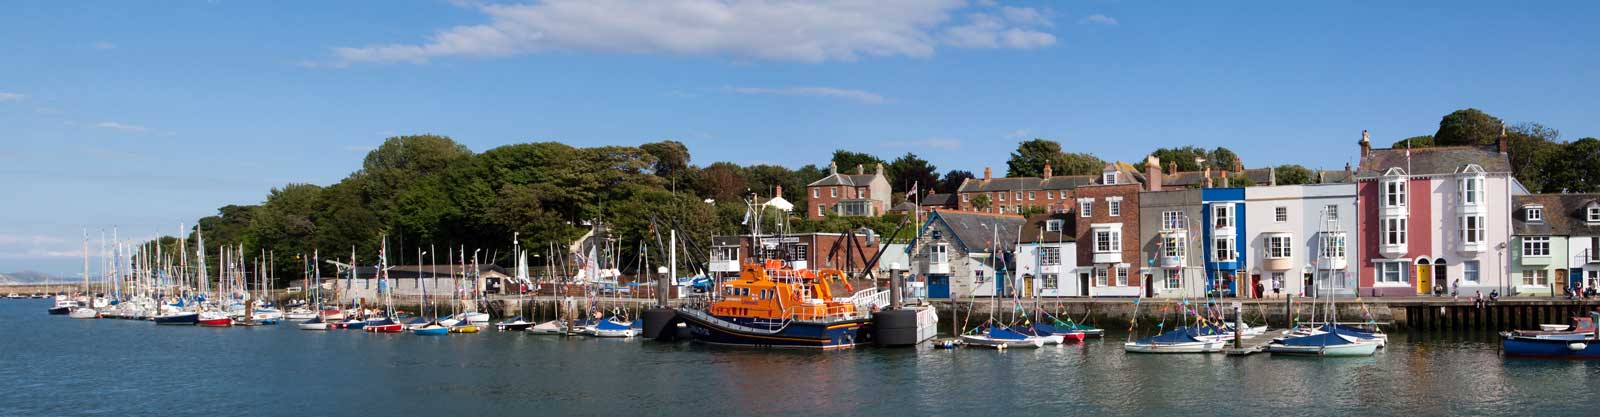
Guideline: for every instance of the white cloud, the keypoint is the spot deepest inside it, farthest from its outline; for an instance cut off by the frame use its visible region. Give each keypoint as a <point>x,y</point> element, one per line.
<point>104,45</point>
<point>13,246</point>
<point>857,95</point>
<point>1098,19</point>
<point>122,126</point>
<point>988,31</point>
<point>782,30</point>
<point>4,96</point>
<point>933,143</point>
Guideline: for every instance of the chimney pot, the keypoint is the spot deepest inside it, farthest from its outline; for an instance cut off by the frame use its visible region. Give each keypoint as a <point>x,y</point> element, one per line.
<point>833,167</point>
<point>1505,144</point>
<point>1047,171</point>
<point>1209,183</point>
<point>987,173</point>
<point>860,170</point>
<point>1366,144</point>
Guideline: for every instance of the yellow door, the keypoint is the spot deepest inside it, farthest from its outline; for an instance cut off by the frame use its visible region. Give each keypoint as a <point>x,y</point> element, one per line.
<point>1424,279</point>
<point>1028,288</point>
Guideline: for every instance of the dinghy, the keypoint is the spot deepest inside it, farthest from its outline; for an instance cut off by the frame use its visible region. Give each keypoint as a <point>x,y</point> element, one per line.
<point>316,323</point>
<point>1330,343</point>
<point>430,329</point>
<point>552,327</point>
<point>464,327</point>
<point>612,328</point>
<point>1001,338</point>
<point>514,325</point>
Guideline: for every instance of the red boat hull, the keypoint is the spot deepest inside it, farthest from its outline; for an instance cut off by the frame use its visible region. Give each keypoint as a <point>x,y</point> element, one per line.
<point>1072,337</point>
<point>387,328</point>
<point>216,323</point>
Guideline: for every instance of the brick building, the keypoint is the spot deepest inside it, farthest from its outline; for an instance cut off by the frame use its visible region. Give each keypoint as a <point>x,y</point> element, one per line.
<point>858,194</point>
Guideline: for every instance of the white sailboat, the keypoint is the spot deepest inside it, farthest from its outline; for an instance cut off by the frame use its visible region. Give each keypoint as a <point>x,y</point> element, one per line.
<point>85,309</point>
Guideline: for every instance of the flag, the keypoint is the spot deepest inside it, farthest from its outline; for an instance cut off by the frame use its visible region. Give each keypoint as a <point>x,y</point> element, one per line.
<point>746,220</point>
<point>912,192</point>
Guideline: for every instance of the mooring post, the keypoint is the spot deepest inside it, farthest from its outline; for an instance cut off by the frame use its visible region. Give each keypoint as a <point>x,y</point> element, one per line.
<point>1238,325</point>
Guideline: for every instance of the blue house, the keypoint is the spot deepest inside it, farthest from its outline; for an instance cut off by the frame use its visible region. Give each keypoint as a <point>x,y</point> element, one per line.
<point>1224,212</point>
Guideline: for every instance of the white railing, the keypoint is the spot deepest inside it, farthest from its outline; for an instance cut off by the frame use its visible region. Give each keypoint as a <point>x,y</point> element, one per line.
<point>870,298</point>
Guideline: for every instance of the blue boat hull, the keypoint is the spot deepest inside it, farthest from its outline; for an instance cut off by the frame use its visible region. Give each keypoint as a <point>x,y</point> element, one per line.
<point>185,319</point>
<point>436,331</point>
<point>1546,348</point>
<point>830,335</point>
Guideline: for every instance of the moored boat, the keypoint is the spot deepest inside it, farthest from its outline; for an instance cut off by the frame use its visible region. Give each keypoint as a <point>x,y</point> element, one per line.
<point>552,327</point>
<point>773,305</point>
<point>1183,340</point>
<point>383,325</point>
<point>612,328</point>
<point>214,319</point>
<point>514,325</point>
<point>1329,343</point>
<point>1002,338</point>
<point>83,313</point>
<point>430,329</point>
<point>315,323</point>
<point>178,318</point>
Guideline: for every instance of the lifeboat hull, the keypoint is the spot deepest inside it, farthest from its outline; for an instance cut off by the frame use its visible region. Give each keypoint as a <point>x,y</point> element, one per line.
<point>839,334</point>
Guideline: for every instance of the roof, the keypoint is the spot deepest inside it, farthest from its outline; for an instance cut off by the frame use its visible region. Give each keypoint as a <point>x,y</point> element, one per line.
<point>906,206</point>
<point>1564,214</point>
<point>977,231</point>
<point>976,185</point>
<point>939,200</point>
<point>1034,230</point>
<point>1258,176</point>
<point>1335,176</point>
<point>844,179</point>
<point>1437,160</point>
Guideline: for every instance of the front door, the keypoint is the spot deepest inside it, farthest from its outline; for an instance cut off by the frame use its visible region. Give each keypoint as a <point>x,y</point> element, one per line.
<point>1027,286</point>
<point>1561,278</point>
<point>939,286</point>
<point>1424,278</point>
<point>1083,284</point>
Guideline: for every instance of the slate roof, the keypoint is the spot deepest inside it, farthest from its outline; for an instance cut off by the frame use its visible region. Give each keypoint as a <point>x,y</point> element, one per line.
<point>973,185</point>
<point>1335,176</point>
<point>905,206</point>
<point>844,179</point>
<point>1564,215</point>
<point>1033,231</point>
<point>976,231</point>
<point>939,200</point>
<point>1437,160</point>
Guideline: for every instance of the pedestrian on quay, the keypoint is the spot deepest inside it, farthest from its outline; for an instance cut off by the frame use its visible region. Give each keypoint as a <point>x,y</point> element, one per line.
<point>1455,290</point>
<point>1477,299</point>
<point>1259,293</point>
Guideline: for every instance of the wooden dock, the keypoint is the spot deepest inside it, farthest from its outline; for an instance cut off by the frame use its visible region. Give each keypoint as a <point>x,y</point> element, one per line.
<point>1252,344</point>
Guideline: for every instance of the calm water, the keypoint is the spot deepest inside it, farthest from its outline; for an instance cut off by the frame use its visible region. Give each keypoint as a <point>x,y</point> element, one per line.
<point>50,365</point>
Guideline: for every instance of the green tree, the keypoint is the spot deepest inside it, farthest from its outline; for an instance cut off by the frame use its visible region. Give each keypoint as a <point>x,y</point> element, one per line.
<point>847,162</point>
<point>1030,211</point>
<point>672,157</point>
<point>1575,168</point>
<point>1533,147</point>
<point>952,181</point>
<point>908,170</point>
<point>1191,158</point>
<point>1415,142</point>
<point>283,226</point>
<point>1291,174</point>
<point>1032,155</point>
<point>1468,127</point>
<point>981,202</point>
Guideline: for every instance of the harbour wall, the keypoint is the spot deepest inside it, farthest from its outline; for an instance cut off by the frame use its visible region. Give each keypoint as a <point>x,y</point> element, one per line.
<point>1425,314</point>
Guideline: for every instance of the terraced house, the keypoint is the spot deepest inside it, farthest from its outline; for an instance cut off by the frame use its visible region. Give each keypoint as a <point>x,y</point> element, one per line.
<point>1553,243</point>
<point>1431,217</point>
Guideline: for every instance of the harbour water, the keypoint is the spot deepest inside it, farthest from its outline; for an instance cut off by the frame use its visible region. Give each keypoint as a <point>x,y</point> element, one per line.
<point>55,366</point>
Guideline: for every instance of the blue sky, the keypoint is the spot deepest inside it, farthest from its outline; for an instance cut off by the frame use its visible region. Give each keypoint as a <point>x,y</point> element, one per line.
<point>143,115</point>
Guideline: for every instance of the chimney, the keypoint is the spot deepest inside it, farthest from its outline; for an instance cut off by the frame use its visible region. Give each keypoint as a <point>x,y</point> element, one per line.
<point>879,170</point>
<point>1366,144</point>
<point>1172,167</point>
<point>1209,183</point>
<point>833,168</point>
<point>1347,170</point>
<point>1238,165</point>
<point>1047,172</point>
<point>987,173</point>
<point>860,170</point>
<point>1272,176</point>
<point>1152,173</point>
<point>1505,145</point>
<point>778,192</point>
<point>1224,178</point>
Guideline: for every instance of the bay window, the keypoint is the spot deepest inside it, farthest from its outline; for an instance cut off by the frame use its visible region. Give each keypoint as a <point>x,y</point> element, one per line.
<point>1333,245</point>
<point>1049,256</point>
<point>1107,240</point>
<point>1222,215</point>
<point>1172,246</point>
<point>1223,250</point>
<point>1472,229</point>
<point>1279,246</point>
<point>1394,231</point>
<point>1472,190</point>
<point>1394,193</point>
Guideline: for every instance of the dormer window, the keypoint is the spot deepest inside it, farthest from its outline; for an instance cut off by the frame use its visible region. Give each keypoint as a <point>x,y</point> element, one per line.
<point>1108,178</point>
<point>1535,213</point>
<point>1053,225</point>
<point>1593,214</point>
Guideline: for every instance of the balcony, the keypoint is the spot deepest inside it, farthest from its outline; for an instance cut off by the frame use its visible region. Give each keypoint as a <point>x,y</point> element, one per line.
<point>1585,257</point>
<point>1108,257</point>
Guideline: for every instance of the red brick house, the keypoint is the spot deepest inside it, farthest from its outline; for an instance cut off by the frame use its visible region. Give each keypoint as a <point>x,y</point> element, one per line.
<point>858,194</point>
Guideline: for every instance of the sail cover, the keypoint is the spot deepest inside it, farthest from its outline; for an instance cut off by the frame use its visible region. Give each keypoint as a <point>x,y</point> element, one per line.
<point>1326,339</point>
<point>610,325</point>
<point>1007,334</point>
<point>1184,335</point>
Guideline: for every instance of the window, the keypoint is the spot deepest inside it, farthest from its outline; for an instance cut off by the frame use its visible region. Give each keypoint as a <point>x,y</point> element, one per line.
<point>1049,195</point>
<point>1100,277</point>
<point>833,192</point>
<point>1472,229</point>
<point>1049,256</point>
<point>822,210</point>
<point>1280,214</point>
<point>1472,190</point>
<point>1469,271</point>
<point>1332,210</point>
<point>1031,195</point>
<point>939,254</point>
<point>1594,214</point>
<point>724,254</point>
<point>1019,196</point>
<point>1002,209</point>
<point>1000,196</point>
<point>1085,206</point>
<point>1122,275</point>
<point>1222,215</point>
<point>1114,208</point>
<point>1279,246</point>
<point>1172,220</point>
<point>1535,213</point>
<point>816,193</point>
<point>1393,272</point>
<point>1535,277</point>
<point>1050,281</point>
<point>1535,246</point>
<point>1174,278</point>
<point>1333,245</point>
<point>1172,246</point>
<point>1053,225</point>
<point>966,198</point>
<point>1223,249</point>
<point>1394,231</point>
<point>1108,178</point>
<point>1107,240</point>
<point>1394,193</point>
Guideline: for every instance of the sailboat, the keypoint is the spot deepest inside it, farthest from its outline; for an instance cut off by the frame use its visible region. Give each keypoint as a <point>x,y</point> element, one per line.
<point>384,323</point>
<point>517,324</point>
<point>85,309</point>
<point>314,287</point>
<point>1331,339</point>
<point>1001,337</point>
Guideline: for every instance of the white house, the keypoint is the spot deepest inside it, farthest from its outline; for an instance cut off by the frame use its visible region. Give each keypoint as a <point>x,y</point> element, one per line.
<point>964,254</point>
<point>1046,258</point>
<point>1300,235</point>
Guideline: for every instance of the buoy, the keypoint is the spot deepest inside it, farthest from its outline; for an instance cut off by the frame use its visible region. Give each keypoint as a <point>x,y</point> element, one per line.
<point>1577,346</point>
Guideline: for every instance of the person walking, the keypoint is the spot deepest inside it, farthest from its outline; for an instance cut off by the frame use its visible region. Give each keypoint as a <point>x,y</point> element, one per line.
<point>1455,290</point>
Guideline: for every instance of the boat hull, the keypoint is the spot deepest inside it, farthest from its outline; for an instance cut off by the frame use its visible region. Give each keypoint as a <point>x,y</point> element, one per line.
<point>1190,347</point>
<point>985,341</point>
<point>58,311</point>
<point>221,322</point>
<point>1351,349</point>
<point>314,326</point>
<point>513,327</point>
<point>1549,348</point>
<point>431,331</point>
<point>188,319</point>
<point>385,328</point>
<point>838,334</point>
<point>84,313</point>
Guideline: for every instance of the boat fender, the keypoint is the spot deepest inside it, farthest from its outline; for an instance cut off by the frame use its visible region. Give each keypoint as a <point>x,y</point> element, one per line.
<point>1577,346</point>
